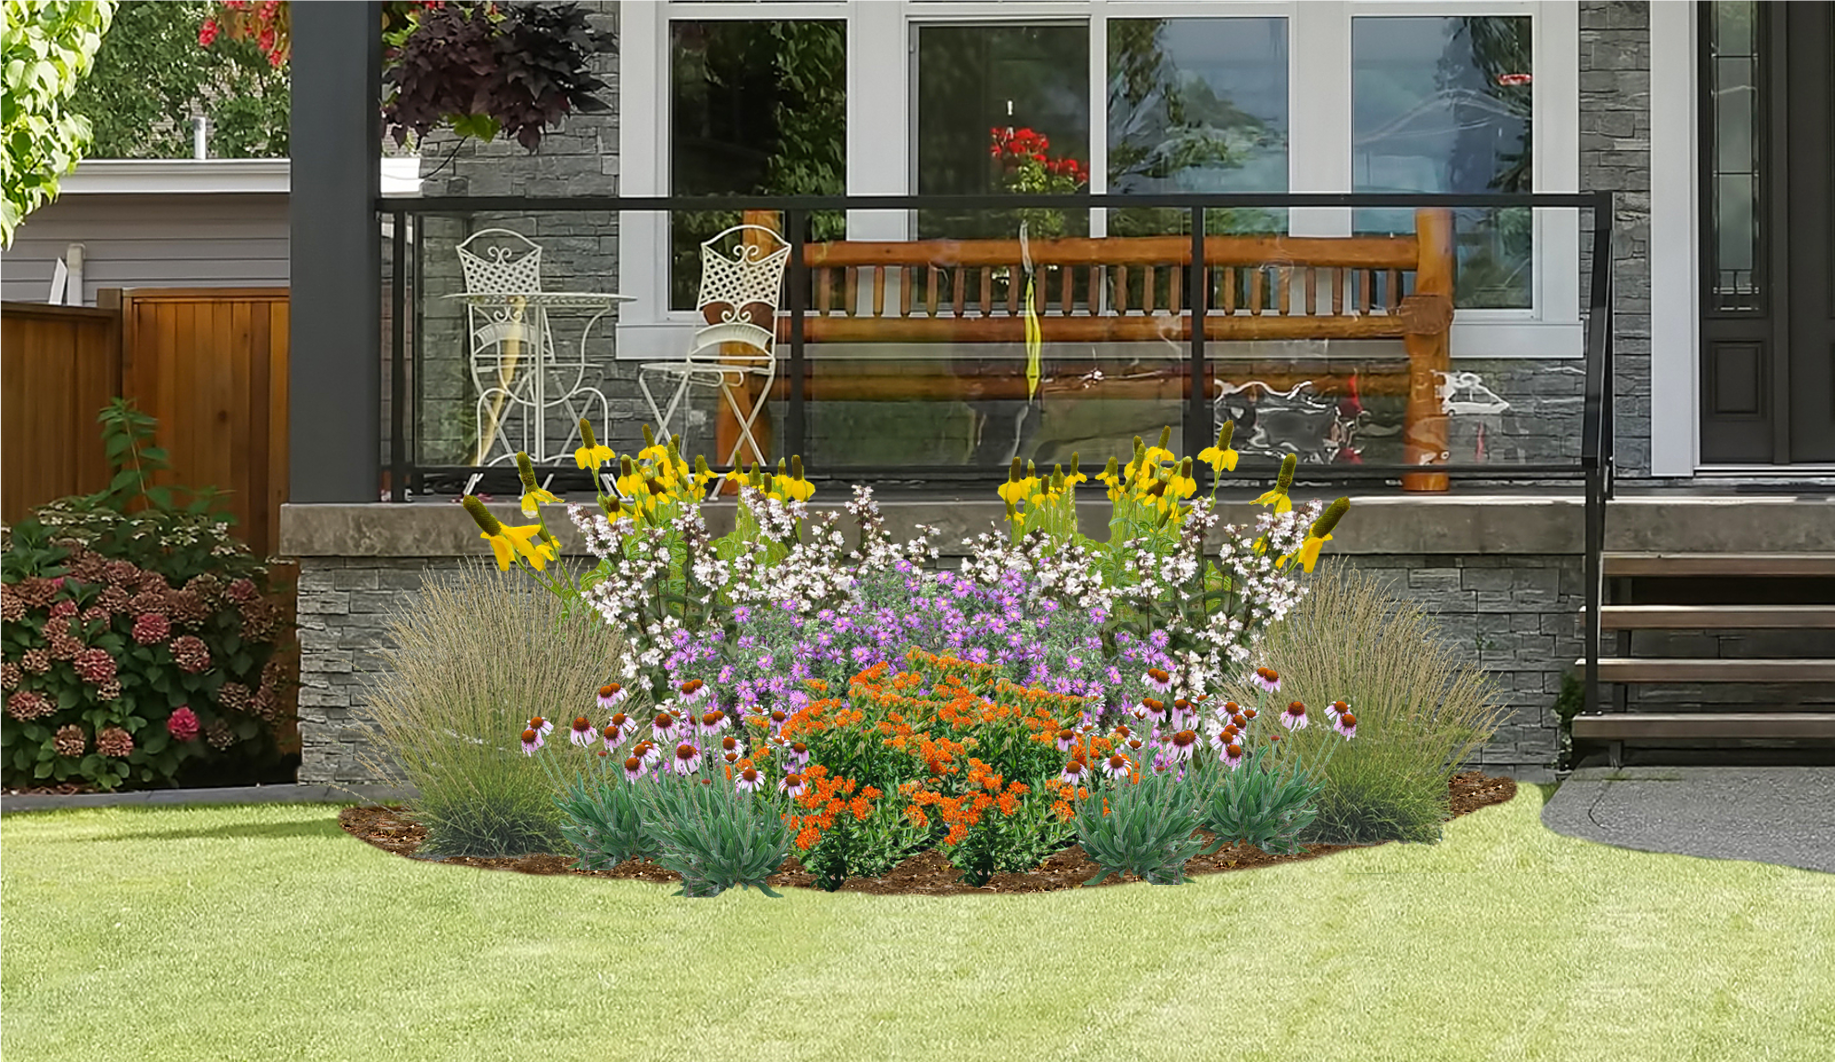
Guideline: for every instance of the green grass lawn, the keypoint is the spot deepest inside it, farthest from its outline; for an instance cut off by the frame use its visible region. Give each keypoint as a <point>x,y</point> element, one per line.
<point>265,932</point>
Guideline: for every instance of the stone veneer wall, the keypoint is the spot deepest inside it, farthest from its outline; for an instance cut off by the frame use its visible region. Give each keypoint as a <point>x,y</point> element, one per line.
<point>1515,614</point>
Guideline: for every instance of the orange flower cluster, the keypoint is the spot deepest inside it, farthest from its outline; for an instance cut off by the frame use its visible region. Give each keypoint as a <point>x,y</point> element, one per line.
<point>825,798</point>
<point>961,812</point>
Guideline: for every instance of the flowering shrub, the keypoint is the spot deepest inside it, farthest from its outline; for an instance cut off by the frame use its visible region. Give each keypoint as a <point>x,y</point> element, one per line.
<point>1027,169</point>
<point>135,644</point>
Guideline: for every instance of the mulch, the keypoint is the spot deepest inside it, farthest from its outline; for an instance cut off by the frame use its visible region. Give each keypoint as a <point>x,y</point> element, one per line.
<point>392,829</point>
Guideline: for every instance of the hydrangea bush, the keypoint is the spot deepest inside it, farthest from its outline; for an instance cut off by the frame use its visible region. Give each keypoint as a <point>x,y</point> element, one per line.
<point>135,643</point>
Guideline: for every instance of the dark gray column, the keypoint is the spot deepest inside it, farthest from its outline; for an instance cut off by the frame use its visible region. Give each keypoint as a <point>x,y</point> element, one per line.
<point>335,423</point>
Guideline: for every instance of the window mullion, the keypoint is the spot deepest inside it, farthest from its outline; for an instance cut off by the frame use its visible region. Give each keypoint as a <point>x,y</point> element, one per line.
<point>1319,132</point>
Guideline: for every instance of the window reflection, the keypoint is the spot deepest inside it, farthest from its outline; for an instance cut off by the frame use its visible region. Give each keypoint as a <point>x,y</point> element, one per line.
<point>1442,105</point>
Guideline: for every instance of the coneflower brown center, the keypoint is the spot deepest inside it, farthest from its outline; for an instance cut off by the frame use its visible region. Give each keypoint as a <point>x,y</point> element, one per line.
<point>632,763</point>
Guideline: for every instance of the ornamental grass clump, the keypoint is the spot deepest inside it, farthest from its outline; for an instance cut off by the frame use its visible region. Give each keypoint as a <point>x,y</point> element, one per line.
<point>475,655</point>
<point>1419,708</point>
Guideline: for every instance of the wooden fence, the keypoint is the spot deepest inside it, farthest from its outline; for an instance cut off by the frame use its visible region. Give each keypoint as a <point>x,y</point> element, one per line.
<point>209,363</point>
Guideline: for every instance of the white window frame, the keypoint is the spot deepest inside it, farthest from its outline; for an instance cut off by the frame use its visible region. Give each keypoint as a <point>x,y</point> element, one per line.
<point>880,39</point>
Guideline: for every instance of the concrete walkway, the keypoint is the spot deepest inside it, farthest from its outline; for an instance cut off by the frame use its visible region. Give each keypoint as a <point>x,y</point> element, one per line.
<point>249,794</point>
<point>1782,815</point>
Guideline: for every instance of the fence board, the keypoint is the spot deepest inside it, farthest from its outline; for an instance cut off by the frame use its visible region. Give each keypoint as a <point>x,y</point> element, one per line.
<point>59,365</point>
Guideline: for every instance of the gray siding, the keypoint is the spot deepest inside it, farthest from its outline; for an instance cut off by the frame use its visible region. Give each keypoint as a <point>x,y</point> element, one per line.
<point>152,241</point>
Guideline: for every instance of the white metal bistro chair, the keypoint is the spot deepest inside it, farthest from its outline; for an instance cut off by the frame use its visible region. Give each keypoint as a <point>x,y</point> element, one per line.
<point>520,375</point>
<point>742,275</point>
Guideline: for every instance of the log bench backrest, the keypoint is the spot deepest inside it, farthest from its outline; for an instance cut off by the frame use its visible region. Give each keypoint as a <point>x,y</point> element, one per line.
<point>1259,287</point>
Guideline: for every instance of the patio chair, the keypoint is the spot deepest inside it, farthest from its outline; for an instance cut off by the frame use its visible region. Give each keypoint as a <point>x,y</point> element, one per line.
<point>514,360</point>
<point>742,275</point>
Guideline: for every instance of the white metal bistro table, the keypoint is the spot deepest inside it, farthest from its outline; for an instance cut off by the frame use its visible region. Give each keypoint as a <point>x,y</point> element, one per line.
<point>503,325</point>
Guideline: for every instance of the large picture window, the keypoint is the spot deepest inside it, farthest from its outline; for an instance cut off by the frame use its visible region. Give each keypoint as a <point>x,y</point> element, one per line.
<point>1137,97</point>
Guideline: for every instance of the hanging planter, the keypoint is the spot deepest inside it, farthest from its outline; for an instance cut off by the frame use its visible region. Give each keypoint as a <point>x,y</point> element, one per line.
<point>481,69</point>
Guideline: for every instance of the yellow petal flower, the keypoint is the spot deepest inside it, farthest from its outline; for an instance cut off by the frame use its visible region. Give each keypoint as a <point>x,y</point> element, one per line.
<point>534,498</point>
<point>1220,460</point>
<point>500,548</point>
<point>1309,551</point>
<point>1277,498</point>
<point>592,456</point>
<point>537,553</point>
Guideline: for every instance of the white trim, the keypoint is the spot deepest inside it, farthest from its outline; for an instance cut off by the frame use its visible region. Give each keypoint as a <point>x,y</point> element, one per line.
<point>400,177</point>
<point>1675,312</point>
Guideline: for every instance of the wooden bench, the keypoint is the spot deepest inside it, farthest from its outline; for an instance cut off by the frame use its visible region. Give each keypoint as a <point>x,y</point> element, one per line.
<point>1134,290</point>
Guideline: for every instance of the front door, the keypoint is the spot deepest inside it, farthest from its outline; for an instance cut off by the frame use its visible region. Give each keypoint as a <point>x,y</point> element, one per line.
<point>1768,247</point>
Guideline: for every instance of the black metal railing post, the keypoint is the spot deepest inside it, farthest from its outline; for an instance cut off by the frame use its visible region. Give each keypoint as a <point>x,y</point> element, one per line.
<point>795,430</point>
<point>1197,427</point>
<point>418,418</point>
<point>1595,441</point>
<point>398,361</point>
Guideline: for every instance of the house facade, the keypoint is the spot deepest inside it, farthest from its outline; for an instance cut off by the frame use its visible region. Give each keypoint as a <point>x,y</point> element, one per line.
<point>1709,124</point>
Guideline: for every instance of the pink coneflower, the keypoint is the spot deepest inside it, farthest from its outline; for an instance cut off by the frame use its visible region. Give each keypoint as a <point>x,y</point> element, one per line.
<point>584,733</point>
<point>1294,718</point>
<point>1076,772</point>
<point>540,725</point>
<point>531,740</point>
<point>731,749</point>
<point>611,695</point>
<point>797,755</point>
<point>633,767</point>
<point>1155,709</point>
<point>665,727</point>
<point>1066,738</point>
<point>647,751</point>
<point>617,728</point>
<point>1226,736</point>
<point>1182,744</point>
<point>1183,712</point>
<point>1232,756</point>
<point>1158,678</point>
<point>1117,765</point>
<point>778,718</point>
<point>1248,713</point>
<point>748,780</point>
<point>1268,679</point>
<point>1240,720</point>
<point>687,758</point>
<point>1345,723</point>
<point>712,722</point>
<point>694,691</point>
<point>791,784</point>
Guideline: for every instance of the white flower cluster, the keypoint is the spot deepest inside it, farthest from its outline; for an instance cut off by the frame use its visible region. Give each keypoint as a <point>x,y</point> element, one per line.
<point>1067,572</point>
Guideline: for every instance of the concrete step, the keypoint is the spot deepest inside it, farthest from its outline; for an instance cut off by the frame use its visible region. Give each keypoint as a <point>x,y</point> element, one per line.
<point>1678,670</point>
<point>1716,617</point>
<point>1768,565</point>
<point>1631,726</point>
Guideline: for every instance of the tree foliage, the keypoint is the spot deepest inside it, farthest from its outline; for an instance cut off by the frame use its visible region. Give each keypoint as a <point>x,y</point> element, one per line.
<point>151,78</point>
<point>46,48</point>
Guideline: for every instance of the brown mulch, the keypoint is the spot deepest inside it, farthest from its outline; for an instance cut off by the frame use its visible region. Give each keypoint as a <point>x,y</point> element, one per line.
<point>392,829</point>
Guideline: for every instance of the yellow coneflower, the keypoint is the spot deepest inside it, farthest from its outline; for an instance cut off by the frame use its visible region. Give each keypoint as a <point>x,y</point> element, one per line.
<point>1318,535</point>
<point>507,543</point>
<point>532,495</point>
<point>1220,457</point>
<point>1278,497</point>
<point>590,454</point>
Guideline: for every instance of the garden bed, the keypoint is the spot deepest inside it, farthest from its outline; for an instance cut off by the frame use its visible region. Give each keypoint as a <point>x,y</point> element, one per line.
<point>392,829</point>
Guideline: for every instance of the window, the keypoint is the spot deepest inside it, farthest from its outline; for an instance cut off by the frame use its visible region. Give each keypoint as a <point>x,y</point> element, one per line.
<point>1149,97</point>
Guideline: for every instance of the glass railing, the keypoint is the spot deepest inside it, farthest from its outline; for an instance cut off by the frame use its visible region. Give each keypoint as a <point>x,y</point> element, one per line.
<point>1038,328</point>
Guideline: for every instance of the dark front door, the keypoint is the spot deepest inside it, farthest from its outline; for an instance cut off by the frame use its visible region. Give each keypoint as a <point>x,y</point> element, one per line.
<point>1768,247</point>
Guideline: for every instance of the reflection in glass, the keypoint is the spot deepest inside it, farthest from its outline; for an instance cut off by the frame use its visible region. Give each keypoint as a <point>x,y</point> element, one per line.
<point>1197,105</point>
<point>1442,105</point>
<point>756,108</point>
<point>1002,109</point>
<point>1734,67</point>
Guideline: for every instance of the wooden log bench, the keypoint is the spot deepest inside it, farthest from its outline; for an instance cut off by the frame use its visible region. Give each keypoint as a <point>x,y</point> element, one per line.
<point>1133,290</point>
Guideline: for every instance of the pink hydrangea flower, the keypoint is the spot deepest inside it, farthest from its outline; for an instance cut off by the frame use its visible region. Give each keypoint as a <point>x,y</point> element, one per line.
<point>182,724</point>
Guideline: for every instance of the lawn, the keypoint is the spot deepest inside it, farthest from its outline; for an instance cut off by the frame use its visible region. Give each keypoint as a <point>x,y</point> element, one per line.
<point>265,932</point>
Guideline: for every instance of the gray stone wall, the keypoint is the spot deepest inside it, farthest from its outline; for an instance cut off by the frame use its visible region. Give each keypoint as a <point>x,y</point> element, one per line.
<point>1515,615</point>
<point>1615,156</point>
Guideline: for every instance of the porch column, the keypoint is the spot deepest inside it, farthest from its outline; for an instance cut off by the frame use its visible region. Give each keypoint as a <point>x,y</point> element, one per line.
<point>335,361</point>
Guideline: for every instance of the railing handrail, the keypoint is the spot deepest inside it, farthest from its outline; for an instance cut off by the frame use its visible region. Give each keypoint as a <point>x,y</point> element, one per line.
<point>1105,201</point>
